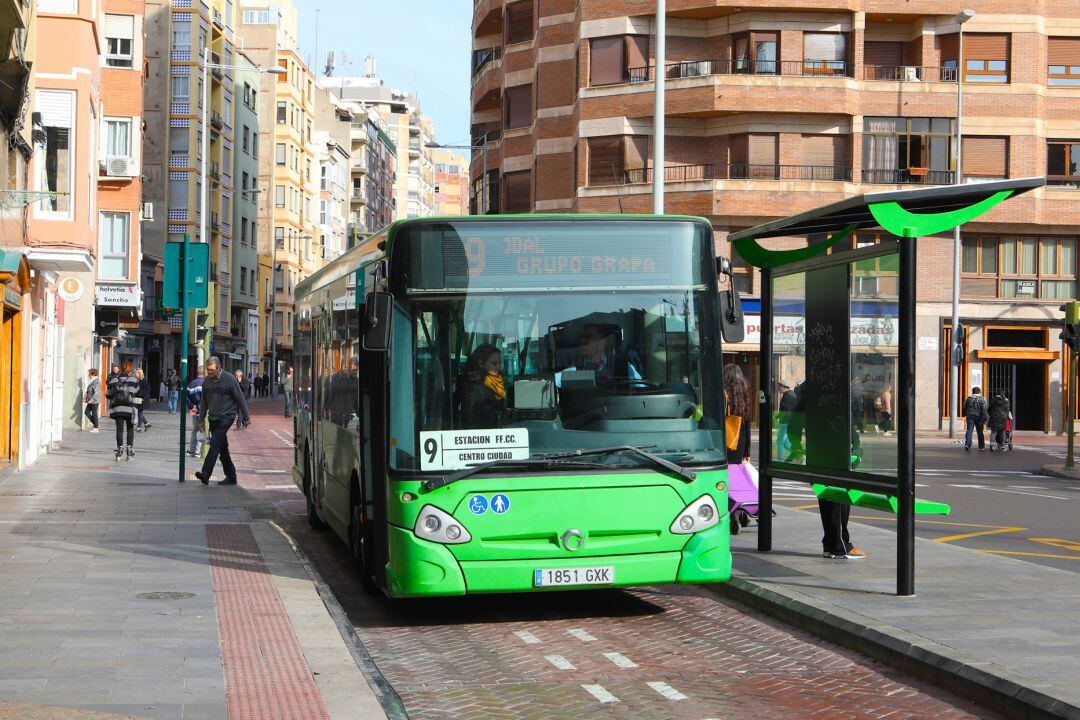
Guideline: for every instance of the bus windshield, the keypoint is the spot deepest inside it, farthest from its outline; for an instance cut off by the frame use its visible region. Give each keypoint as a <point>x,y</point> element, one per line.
<point>584,334</point>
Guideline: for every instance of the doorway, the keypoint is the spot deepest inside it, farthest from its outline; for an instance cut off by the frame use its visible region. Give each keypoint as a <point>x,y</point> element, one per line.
<point>1024,383</point>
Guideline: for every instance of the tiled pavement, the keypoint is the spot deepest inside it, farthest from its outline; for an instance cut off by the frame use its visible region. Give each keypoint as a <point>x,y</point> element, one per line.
<point>110,601</point>
<point>661,652</point>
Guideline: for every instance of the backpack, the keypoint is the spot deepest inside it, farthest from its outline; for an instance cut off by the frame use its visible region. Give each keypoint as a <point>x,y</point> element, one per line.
<point>122,396</point>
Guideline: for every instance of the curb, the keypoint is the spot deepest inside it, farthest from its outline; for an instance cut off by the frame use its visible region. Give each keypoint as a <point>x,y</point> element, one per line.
<point>1059,471</point>
<point>991,686</point>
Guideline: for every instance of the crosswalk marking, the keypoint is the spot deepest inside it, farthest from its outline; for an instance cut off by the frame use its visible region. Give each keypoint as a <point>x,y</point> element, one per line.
<point>527,637</point>
<point>620,660</point>
<point>600,693</point>
<point>666,690</point>
<point>560,662</point>
<point>581,635</point>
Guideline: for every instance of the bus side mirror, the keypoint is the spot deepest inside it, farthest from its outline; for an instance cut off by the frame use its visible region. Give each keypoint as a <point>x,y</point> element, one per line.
<point>380,308</point>
<point>732,329</point>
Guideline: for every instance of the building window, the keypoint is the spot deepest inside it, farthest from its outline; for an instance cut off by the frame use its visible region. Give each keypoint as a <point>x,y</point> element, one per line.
<point>986,58</point>
<point>181,88</point>
<point>1063,58</point>
<point>986,158</point>
<point>279,196</point>
<point>279,153</point>
<point>518,112</point>
<point>281,112</point>
<point>1018,267</point>
<point>279,238</point>
<point>517,192</point>
<point>619,59</point>
<point>119,40</point>
<point>756,53</point>
<point>243,279</point>
<point>115,227</point>
<point>519,22</point>
<point>181,37</point>
<point>825,54</point>
<point>1063,162</point>
<point>908,150</point>
<point>118,137</point>
<point>56,158</point>
<point>65,7</point>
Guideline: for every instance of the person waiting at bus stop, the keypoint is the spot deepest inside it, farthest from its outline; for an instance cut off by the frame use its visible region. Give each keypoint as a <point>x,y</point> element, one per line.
<point>483,389</point>
<point>222,402</point>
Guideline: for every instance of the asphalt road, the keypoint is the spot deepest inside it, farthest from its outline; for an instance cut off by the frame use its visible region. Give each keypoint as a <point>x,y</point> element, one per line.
<point>1000,502</point>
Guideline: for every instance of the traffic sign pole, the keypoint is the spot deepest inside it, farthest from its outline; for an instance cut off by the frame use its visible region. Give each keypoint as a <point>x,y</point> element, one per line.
<point>183,354</point>
<point>1072,317</point>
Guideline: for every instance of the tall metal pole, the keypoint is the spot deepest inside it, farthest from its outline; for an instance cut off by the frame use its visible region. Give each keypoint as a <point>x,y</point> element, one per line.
<point>658,108</point>
<point>273,319</point>
<point>954,370</point>
<point>483,176</point>
<point>204,189</point>
<point>183,354</point>
<point>768,381</point>
<point>905,426</point>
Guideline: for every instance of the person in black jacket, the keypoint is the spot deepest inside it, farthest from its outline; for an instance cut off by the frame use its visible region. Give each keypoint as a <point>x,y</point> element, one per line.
<point>483,389</point>
<point>123,394</point>
<point>999,414</point>
<point>144,398</point>
<point>222,402</point>
<point>245,388</point>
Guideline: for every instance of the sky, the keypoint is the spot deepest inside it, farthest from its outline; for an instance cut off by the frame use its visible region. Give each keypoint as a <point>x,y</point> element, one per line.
<point>420,46</point>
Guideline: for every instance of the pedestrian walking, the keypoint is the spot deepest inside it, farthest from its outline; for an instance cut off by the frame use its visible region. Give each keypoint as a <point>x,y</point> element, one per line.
<point>883,405</point>
<point>783,417</point>
<point>172,390</point>
<point>976,411</point>
<point>245,388</point>
<point>222,402</point>
<point>193,400</point>
<point>123,394</point>
<point>288,386</point>
<point>266,385</point>
<point>256,382</point>
<point>144,398</point>
<point>114,371</point>
<point>92,398</point>
<point>998,416</point>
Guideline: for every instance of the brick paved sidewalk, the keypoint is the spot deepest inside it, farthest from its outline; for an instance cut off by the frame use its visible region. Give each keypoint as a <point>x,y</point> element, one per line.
<point>1000,630</point>
<point>126,593</point>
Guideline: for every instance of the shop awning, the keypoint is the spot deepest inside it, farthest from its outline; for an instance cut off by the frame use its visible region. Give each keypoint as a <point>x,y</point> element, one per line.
<point>904,213</point>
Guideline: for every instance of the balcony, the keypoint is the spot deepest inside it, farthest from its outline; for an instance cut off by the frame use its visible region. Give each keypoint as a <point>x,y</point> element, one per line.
<point>215,224</point>
<point>905,176</point>
<point>357,194</point>
<point>215,59</point>
<point>740,171</point>
<point>214,171</point>
<point>224,277</point>
<point>909,73</point>
<point>482,59</point>
<point>216,121</point>
<point>745,66</point>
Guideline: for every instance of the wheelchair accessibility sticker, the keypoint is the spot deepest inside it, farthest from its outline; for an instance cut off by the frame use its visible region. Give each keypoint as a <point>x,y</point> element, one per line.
<point>479,504</point>
<point>500,503</point>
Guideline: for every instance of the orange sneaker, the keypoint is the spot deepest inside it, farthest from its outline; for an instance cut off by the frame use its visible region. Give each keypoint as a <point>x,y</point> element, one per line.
<point>855,554</point>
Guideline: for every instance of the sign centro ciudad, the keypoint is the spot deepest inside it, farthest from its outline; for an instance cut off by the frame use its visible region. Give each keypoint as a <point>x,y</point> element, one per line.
<point>459,449</point>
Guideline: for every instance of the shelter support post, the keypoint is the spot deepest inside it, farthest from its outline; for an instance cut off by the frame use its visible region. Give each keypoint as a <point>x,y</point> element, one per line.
<point>765,430</point>
<point>905,386</point>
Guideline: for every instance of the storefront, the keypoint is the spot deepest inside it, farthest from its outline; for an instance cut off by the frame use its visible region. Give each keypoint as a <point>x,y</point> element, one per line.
<point>15,278</point>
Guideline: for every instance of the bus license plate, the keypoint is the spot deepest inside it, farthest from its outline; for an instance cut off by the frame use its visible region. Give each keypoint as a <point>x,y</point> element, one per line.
<point>574,576</point>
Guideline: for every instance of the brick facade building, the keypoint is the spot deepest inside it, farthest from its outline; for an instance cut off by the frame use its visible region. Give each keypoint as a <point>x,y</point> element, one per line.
<point>774,111</point>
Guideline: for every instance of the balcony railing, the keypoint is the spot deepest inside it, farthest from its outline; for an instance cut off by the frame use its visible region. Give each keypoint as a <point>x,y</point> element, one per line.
<point>216,120</point>
<point>484,57</point>
<point>357,193</point>
<point>909,73</point>
<point>902,176</point>
<point>741,171</point>
<point>488,138</point>
<point>745,66</point>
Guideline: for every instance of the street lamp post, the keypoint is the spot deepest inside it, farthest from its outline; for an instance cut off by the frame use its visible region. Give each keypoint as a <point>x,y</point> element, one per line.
<point>483,147</point>
<point>659,128</point>
<point>954,376</point>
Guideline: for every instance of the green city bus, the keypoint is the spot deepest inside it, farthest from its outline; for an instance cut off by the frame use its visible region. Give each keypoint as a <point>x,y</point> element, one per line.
<point>517,403</point>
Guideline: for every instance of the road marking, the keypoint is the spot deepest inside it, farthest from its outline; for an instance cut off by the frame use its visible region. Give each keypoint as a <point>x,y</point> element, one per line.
<point>1028,487</point>
<point>1014,492</point>
<point>527,637</point>
<point>892,518</point>
<point>601,694</point>
<point>1059,542</point>
<point>581,635</point>
<point>804,507</point>
<point>620,660</point>
<point>980,533</point>
<point>287,440</point>
<point>666,690</point>
<point>290,486</point>
<point>560,662</point>
<point>1027,554</point>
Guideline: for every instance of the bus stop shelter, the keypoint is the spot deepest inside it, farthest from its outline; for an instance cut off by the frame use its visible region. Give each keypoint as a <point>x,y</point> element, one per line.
<point>838,328</point>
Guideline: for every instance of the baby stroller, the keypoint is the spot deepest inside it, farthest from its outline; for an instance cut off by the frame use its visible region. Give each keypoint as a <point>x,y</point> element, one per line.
<point>1008,437</point>
<point>742,496</point>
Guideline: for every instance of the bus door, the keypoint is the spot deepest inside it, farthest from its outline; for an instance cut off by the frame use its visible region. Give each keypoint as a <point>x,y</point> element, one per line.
<point>318,364</point>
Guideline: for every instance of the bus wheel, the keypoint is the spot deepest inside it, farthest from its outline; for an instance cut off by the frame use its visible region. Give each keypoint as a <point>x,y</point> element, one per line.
<point>357,544</point>
<point>734,525</point>
<point>313,518</point>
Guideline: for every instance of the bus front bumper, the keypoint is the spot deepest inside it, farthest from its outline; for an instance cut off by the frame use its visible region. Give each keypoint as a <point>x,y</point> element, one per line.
<point>419,568</point>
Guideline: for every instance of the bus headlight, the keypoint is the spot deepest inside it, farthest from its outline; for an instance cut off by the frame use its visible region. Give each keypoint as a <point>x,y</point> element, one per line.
<point>697,516</point>
<point>439,526</point>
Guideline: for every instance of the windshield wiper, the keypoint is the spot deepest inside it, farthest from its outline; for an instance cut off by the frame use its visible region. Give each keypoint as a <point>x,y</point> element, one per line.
<point>544,462</point>
<point>639,450</point>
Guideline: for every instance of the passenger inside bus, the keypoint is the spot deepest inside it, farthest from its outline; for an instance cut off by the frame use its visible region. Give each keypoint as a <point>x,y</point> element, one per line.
<point>483,389</point>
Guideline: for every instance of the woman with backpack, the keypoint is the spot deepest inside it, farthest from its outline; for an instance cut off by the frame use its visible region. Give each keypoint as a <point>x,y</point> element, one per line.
<point>123,394</point>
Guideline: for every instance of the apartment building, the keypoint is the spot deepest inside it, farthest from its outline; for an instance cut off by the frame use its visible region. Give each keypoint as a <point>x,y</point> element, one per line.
<point>773,111</point>
<point>409,131</point>
<point>287,170</point>
<point>242,351</point>
<point>333,145</point>
<point>451,183</point>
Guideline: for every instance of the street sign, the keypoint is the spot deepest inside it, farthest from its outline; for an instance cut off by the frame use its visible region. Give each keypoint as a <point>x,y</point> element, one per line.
<point>196,276</point>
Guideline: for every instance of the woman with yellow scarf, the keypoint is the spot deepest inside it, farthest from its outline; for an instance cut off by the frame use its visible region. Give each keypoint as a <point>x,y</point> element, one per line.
<point>483,390</point>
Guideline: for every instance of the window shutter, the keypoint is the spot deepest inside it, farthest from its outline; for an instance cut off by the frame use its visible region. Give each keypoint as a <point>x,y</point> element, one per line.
<point>605,160</point>
<point>948,47</point>
<point>740,152</point>
<point>985,157</point>
<point>637,151</point>
<point>823,150</point>
<point>1064,51</point>
<point>518,192</point>
<point>637,51</point>
<point>120,26</point>
<point>518,106</point>
<point>762,149</point>
<point>606,61</point>
<point>982,46</point>
<point>55,107</point>
<point>884,54</point>
<point>519,22</point>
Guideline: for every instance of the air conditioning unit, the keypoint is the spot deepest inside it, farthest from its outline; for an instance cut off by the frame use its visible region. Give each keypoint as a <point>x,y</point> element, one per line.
<point>120,166</point>
<point>147,212</point>
<point>910,74</point>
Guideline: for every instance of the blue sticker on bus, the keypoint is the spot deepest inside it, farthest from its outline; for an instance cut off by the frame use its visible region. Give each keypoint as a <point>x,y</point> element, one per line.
<point>478,504</point>
<point>500,503</point>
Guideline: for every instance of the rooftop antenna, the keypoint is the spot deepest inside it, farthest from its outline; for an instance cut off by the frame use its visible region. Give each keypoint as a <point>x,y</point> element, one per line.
<point>329,64</point>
